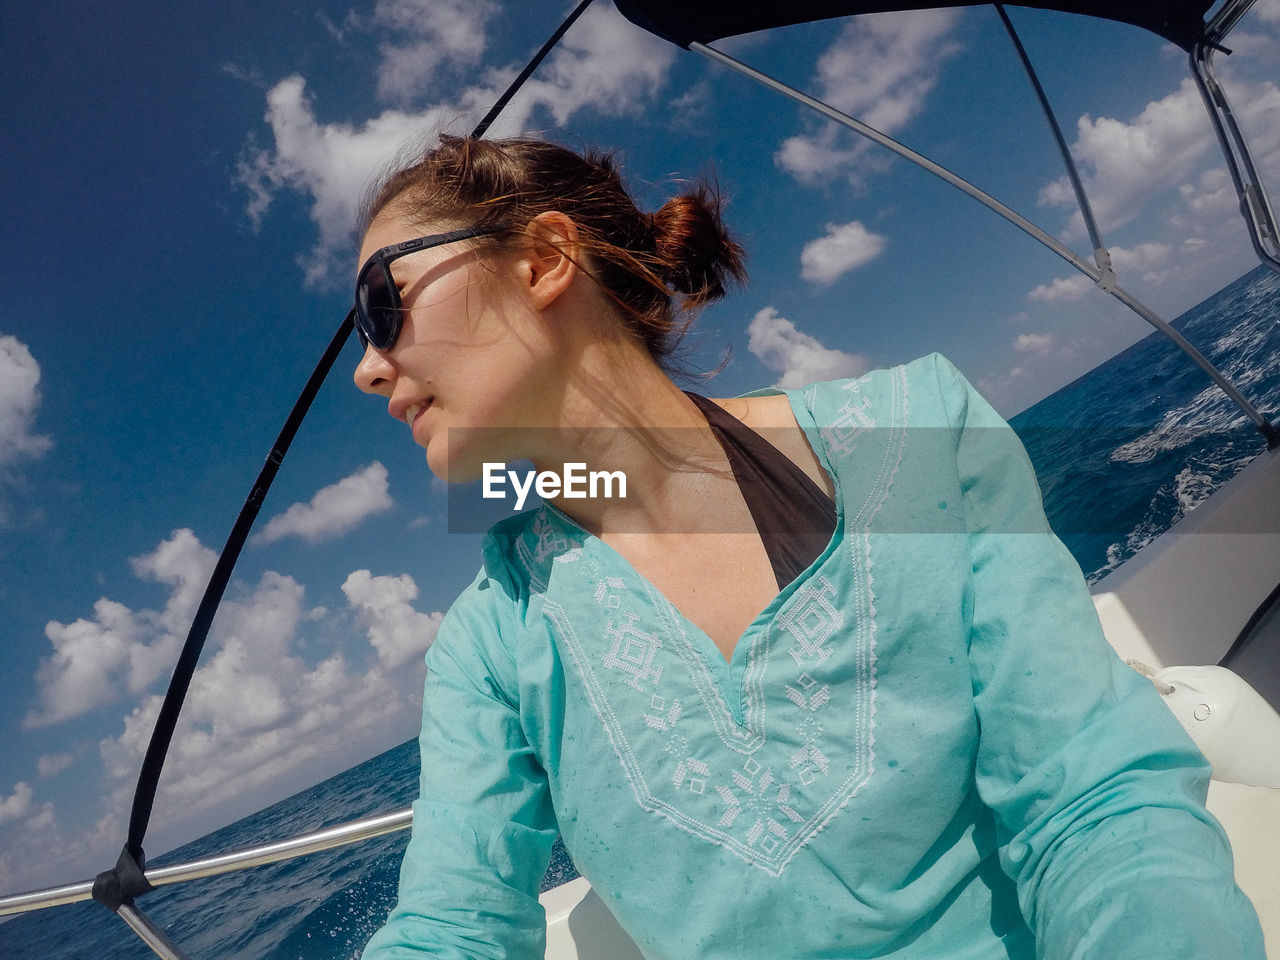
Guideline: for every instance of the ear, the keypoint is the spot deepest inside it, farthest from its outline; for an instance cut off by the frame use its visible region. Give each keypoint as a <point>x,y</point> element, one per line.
<point>552,257</point>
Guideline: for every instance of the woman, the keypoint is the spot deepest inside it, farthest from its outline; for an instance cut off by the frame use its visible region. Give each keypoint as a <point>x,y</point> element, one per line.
<point>839,693</point>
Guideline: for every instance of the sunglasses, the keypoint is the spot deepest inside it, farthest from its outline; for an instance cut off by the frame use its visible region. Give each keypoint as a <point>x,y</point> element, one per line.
<point>379,312</point>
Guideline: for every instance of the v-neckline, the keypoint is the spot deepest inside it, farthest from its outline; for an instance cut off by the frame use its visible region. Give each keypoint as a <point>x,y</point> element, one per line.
<point>711,652</point>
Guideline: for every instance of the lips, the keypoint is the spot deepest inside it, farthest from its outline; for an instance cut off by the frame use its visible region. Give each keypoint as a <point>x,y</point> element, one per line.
<point>408,413</point>
<point>416,410</point>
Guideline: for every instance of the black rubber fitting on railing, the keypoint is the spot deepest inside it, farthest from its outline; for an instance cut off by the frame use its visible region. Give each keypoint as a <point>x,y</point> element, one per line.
<point>121,883</point>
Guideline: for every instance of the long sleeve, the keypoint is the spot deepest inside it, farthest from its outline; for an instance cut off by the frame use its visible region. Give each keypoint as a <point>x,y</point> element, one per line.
<point>1097,790</point>
<point>483,824</point>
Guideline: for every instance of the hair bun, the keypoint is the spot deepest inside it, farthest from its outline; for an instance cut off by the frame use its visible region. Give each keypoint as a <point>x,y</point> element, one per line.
<point>697,256</point>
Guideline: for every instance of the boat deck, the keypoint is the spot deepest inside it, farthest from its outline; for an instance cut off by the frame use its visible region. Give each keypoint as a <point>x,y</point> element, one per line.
<point>1193,590</point>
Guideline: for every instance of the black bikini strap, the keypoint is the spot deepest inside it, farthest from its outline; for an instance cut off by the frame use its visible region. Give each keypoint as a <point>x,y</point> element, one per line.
<point>792,514</point>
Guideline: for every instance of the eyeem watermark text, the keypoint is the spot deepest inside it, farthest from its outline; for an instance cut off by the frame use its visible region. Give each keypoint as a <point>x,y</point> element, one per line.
<point>575,483</point>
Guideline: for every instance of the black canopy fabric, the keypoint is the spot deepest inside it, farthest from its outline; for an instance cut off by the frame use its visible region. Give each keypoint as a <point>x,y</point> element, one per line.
<point>688,21</point>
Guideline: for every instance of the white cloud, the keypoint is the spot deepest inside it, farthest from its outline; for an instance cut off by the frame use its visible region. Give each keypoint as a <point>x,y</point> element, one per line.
<point>435,36</point>
<point>1124,163</point>
<point>18,804</point>
<point>263,715</point>
<point>120,652</point>
<point>1062,289</point>
<point>845,247</point>
<point>185,564</point>
<point>1212,196</point>
<point>1169,145</point>
<point>602,63</point>
<point>815,159</point>
<point>259,711</point>
<point>1159,174</point>
<point>1257,104</point>
<point>41,820</point>
<point>396,630</point>
<point>1148,262</point>
<point>19,400</point>
<point>52,764</point>
<point>90,664</point>
<point>334,510</point>
<point>1267,10</point>
<point>1033,342</point>
<point>330,162</point>
<point>798,357</point>
<point>881,70</point>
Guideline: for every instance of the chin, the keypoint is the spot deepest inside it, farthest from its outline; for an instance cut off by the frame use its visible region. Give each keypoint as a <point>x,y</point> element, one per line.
<point>455,466</point>
<point>443,469</point>
<point>460,455</point>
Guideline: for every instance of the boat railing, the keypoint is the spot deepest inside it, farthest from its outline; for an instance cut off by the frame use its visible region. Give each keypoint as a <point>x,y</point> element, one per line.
<point>326,838</point>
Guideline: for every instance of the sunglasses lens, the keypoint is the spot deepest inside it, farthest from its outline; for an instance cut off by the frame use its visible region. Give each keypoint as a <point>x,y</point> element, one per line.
<point>377,308</point>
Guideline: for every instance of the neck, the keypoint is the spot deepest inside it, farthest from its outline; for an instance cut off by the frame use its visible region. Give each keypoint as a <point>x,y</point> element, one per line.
<point>622,415</point>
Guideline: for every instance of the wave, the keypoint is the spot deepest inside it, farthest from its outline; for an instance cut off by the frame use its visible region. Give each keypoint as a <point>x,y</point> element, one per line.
<point>339,926</point>
<point>1191,486</point>
<point>1208,413</point>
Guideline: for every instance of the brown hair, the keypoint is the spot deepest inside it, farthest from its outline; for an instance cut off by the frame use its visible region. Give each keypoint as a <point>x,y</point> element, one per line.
<point>643,262</point>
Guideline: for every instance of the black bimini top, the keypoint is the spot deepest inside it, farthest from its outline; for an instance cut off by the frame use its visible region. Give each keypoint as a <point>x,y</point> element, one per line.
<point>701,21</point>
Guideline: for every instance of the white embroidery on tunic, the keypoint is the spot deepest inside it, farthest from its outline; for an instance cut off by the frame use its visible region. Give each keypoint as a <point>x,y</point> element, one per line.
<point>551,542</point>
<point>687,766</point>
<point>608,592</point>
<point>810,762</point>
<point>633,651</point>
<point>761,784</point>
<point>742,738</point>
<point>812,621</point>
<point>756,796</point>
<point>658,720</point>
<point>805,696</point>
<point>851,421</point>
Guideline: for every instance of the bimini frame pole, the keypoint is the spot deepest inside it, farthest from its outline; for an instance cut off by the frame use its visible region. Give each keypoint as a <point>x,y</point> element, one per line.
<point>1101,256</point>
<point>1255,207</point>
<point>149,933</point>
<point>1104,281</point>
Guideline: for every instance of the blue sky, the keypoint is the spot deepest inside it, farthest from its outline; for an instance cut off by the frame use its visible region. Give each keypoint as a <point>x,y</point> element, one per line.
<point>178,201</point>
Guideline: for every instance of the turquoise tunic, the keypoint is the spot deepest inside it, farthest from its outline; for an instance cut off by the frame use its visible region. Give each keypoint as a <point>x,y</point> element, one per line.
<point>921,748</point>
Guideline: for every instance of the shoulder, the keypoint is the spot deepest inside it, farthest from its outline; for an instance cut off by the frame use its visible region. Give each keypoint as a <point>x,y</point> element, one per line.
<point>929,391</point>
<point>484,625</point>
<point>521,556</point>
<point>930,373</point>
<point>523,552</point>
<point>896,428</point>
<point>876,398</point>
<point>473,636</point>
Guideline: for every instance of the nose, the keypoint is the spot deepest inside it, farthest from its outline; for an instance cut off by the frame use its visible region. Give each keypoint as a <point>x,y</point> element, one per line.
<point>374,373</point>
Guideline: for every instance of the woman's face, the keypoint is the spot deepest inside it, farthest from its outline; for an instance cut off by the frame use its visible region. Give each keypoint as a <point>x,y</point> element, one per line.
<point>474,365</point>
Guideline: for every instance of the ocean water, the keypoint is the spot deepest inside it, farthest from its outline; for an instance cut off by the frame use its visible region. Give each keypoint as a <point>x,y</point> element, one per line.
<point>1131,447</point>
<point>1121,454</point>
